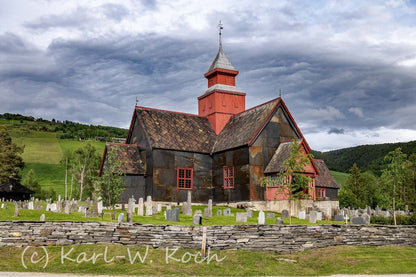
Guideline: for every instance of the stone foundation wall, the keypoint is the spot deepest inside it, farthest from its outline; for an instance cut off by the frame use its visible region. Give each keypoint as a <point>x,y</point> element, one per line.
<point>282,239</point>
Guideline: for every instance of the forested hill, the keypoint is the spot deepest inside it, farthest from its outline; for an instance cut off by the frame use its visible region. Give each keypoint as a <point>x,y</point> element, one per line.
<point>367,157</point>
<point>64,129</point>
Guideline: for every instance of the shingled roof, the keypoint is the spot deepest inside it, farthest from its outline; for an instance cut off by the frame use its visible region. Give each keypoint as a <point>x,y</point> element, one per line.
<point>221,61</point>
<point>243,127</point>
<point>280,156</point>
<point>176,131</point>
<point>325,178</point>
<point>130,154</point>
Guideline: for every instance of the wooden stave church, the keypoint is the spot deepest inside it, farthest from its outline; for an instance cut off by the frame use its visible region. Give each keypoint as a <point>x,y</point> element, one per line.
<point>220,154</point>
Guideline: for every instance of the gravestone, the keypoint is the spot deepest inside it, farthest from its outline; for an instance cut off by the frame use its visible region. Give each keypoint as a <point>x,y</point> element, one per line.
<point>154,209</point>
<point>168,207</point>
<point>140,209</point>
<point>367,218</point>
<point>95,211</point>
<point>42,217</point>
<point>74,206</point>
<point>318,216</point>
<point>187,207</point>
<point>31,206</point>
<point>227,212</point>
<point>208,210</point>
<point>149,211</point>
<point>59,197</point>
<point>406,209</point>
<point>120,218</point>
<point>48,207</point>
<point>198,213</point>
<point>88,210</point>
<point>368,210</point>
<point>16,210</point>
<point>241,217</point>
<point>58,206</point>
<point>81,209</point>
<point>279,221</point>
<point>219,213</point>
<point>357,220</point>
<point>302,215</point>
<point>339,217</point>
<point>54,207</point>
<point>131,205</point>
<point>67,207</point>
<point>270,215</point>
<point>172,215</point>
<point>159,208</point>
<point>3,206</point>
<point>285,214</point>
<point>312,216</point>
<point>378,210</point>
<point>261,219</point>
<point>100,206</point>
<point>249,213</point>
<point>129,218</point>
<point>197,220</point>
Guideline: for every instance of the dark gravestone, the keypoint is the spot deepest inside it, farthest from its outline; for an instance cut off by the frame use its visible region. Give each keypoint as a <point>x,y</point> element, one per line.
<point>241,217</point>
<point>279,221</point>
<point>357,220</point>
<point>285,214</point>
<point>129,218</point>
<point>172,215</point>
<point>219,213</point>
<point>249,213</point>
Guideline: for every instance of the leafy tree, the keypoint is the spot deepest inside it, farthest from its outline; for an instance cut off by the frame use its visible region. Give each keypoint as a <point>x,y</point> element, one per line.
<point>85,164</point>
<point>31,183</point>
<point>292,182</point>
<point>111,183</point>
<point>10,160</point>
<point>394,175</point>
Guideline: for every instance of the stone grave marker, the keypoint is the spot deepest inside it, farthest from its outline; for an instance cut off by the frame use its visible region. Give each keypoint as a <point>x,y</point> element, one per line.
<point>378,210</point>
<point>16,210</point>
<point>172,215</point>
<point>168,207</point>
<point>406,209</point>
<point>367,218</point>
<point>149,210</point>
<point>131,205</point>
<point>129,218</point>
<point>261,220</point>
<point>227,212</point>
<point>197,220</point>
<point>249,213</point>
<point>3,206</point>
<point>285,214</point>
<point>140,208</point>
<point>219,213</point>
<point>279,221</point>
<point>187,207</point>
<point>159,208</point>
<point>100,206</point>
<point>368,210</point>
<point>54,208</point>
<point>312,216</point>
<point>270,215</point>
<point>120,218</point>
<point>208,210</point>
<point>42,217</point>
<point>31,206</point>
<point>74,206</point>
<point>339,217</point>
<point>302,215</point>
<point>154,209</point>
<point>241,217</point>
<point>67,207</point>
<point>357,220</point>
<point>198,213</point>
<point>59,206</point>
<point>318,216</point>
<point>48,207</point>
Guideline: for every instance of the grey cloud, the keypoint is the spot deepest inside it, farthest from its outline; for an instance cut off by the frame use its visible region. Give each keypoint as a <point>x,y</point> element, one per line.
<point>334,130</point>
<point>115,11</point>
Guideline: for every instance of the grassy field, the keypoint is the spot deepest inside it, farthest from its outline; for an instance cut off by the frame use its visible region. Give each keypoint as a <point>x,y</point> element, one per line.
<point>340,177</point>
<point>158,219</point>
<point>119,259</point>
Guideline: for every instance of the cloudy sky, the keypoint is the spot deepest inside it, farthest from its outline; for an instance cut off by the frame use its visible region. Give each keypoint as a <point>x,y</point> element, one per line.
<point>346,69</point>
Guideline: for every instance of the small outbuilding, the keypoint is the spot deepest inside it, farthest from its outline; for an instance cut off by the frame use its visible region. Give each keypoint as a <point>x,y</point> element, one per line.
<point>15,191</point>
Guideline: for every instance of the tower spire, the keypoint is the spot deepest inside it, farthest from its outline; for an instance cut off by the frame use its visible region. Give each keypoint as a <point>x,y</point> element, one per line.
<point>220,27</point>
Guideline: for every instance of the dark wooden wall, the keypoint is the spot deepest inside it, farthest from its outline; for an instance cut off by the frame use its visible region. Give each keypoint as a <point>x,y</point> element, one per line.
<point>331,193</point>
<point>135,185</point>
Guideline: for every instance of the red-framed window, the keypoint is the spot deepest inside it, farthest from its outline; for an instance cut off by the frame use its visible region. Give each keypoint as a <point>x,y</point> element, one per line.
<point>184,178</point>
<point>228,173</point>
<point>321,192</point>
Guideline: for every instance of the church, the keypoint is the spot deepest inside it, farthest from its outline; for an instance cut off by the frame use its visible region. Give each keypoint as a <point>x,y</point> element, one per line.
<point>220,154</point>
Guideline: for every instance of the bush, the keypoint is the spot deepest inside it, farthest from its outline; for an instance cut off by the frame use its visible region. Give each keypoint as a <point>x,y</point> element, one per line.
<point>400,219</point>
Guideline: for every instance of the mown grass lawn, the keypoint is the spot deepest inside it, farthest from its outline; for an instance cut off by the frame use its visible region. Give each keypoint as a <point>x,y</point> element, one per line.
<point>119,259</point>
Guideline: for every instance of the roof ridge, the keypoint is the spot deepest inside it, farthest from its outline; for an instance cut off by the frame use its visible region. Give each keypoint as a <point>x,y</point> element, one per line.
<point>161,110</point>
<point>258,106</point>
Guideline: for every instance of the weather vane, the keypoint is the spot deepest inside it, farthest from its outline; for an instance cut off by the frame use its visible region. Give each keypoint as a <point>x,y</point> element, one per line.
<point>280,92</point>
<point>220,27</point>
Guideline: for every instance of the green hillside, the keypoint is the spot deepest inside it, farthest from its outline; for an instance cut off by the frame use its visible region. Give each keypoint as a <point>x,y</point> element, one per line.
<point>367,157</point>
<point>340,177</point>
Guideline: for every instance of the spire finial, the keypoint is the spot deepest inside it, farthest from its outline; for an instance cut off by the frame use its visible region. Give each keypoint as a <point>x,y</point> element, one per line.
<point>220,27</point>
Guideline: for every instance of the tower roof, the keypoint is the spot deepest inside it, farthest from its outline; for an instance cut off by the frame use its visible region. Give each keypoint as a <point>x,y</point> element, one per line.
<point>221,61</point>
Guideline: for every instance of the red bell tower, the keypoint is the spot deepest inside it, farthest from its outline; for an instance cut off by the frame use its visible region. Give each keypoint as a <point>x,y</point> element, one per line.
<point>223,99</point>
